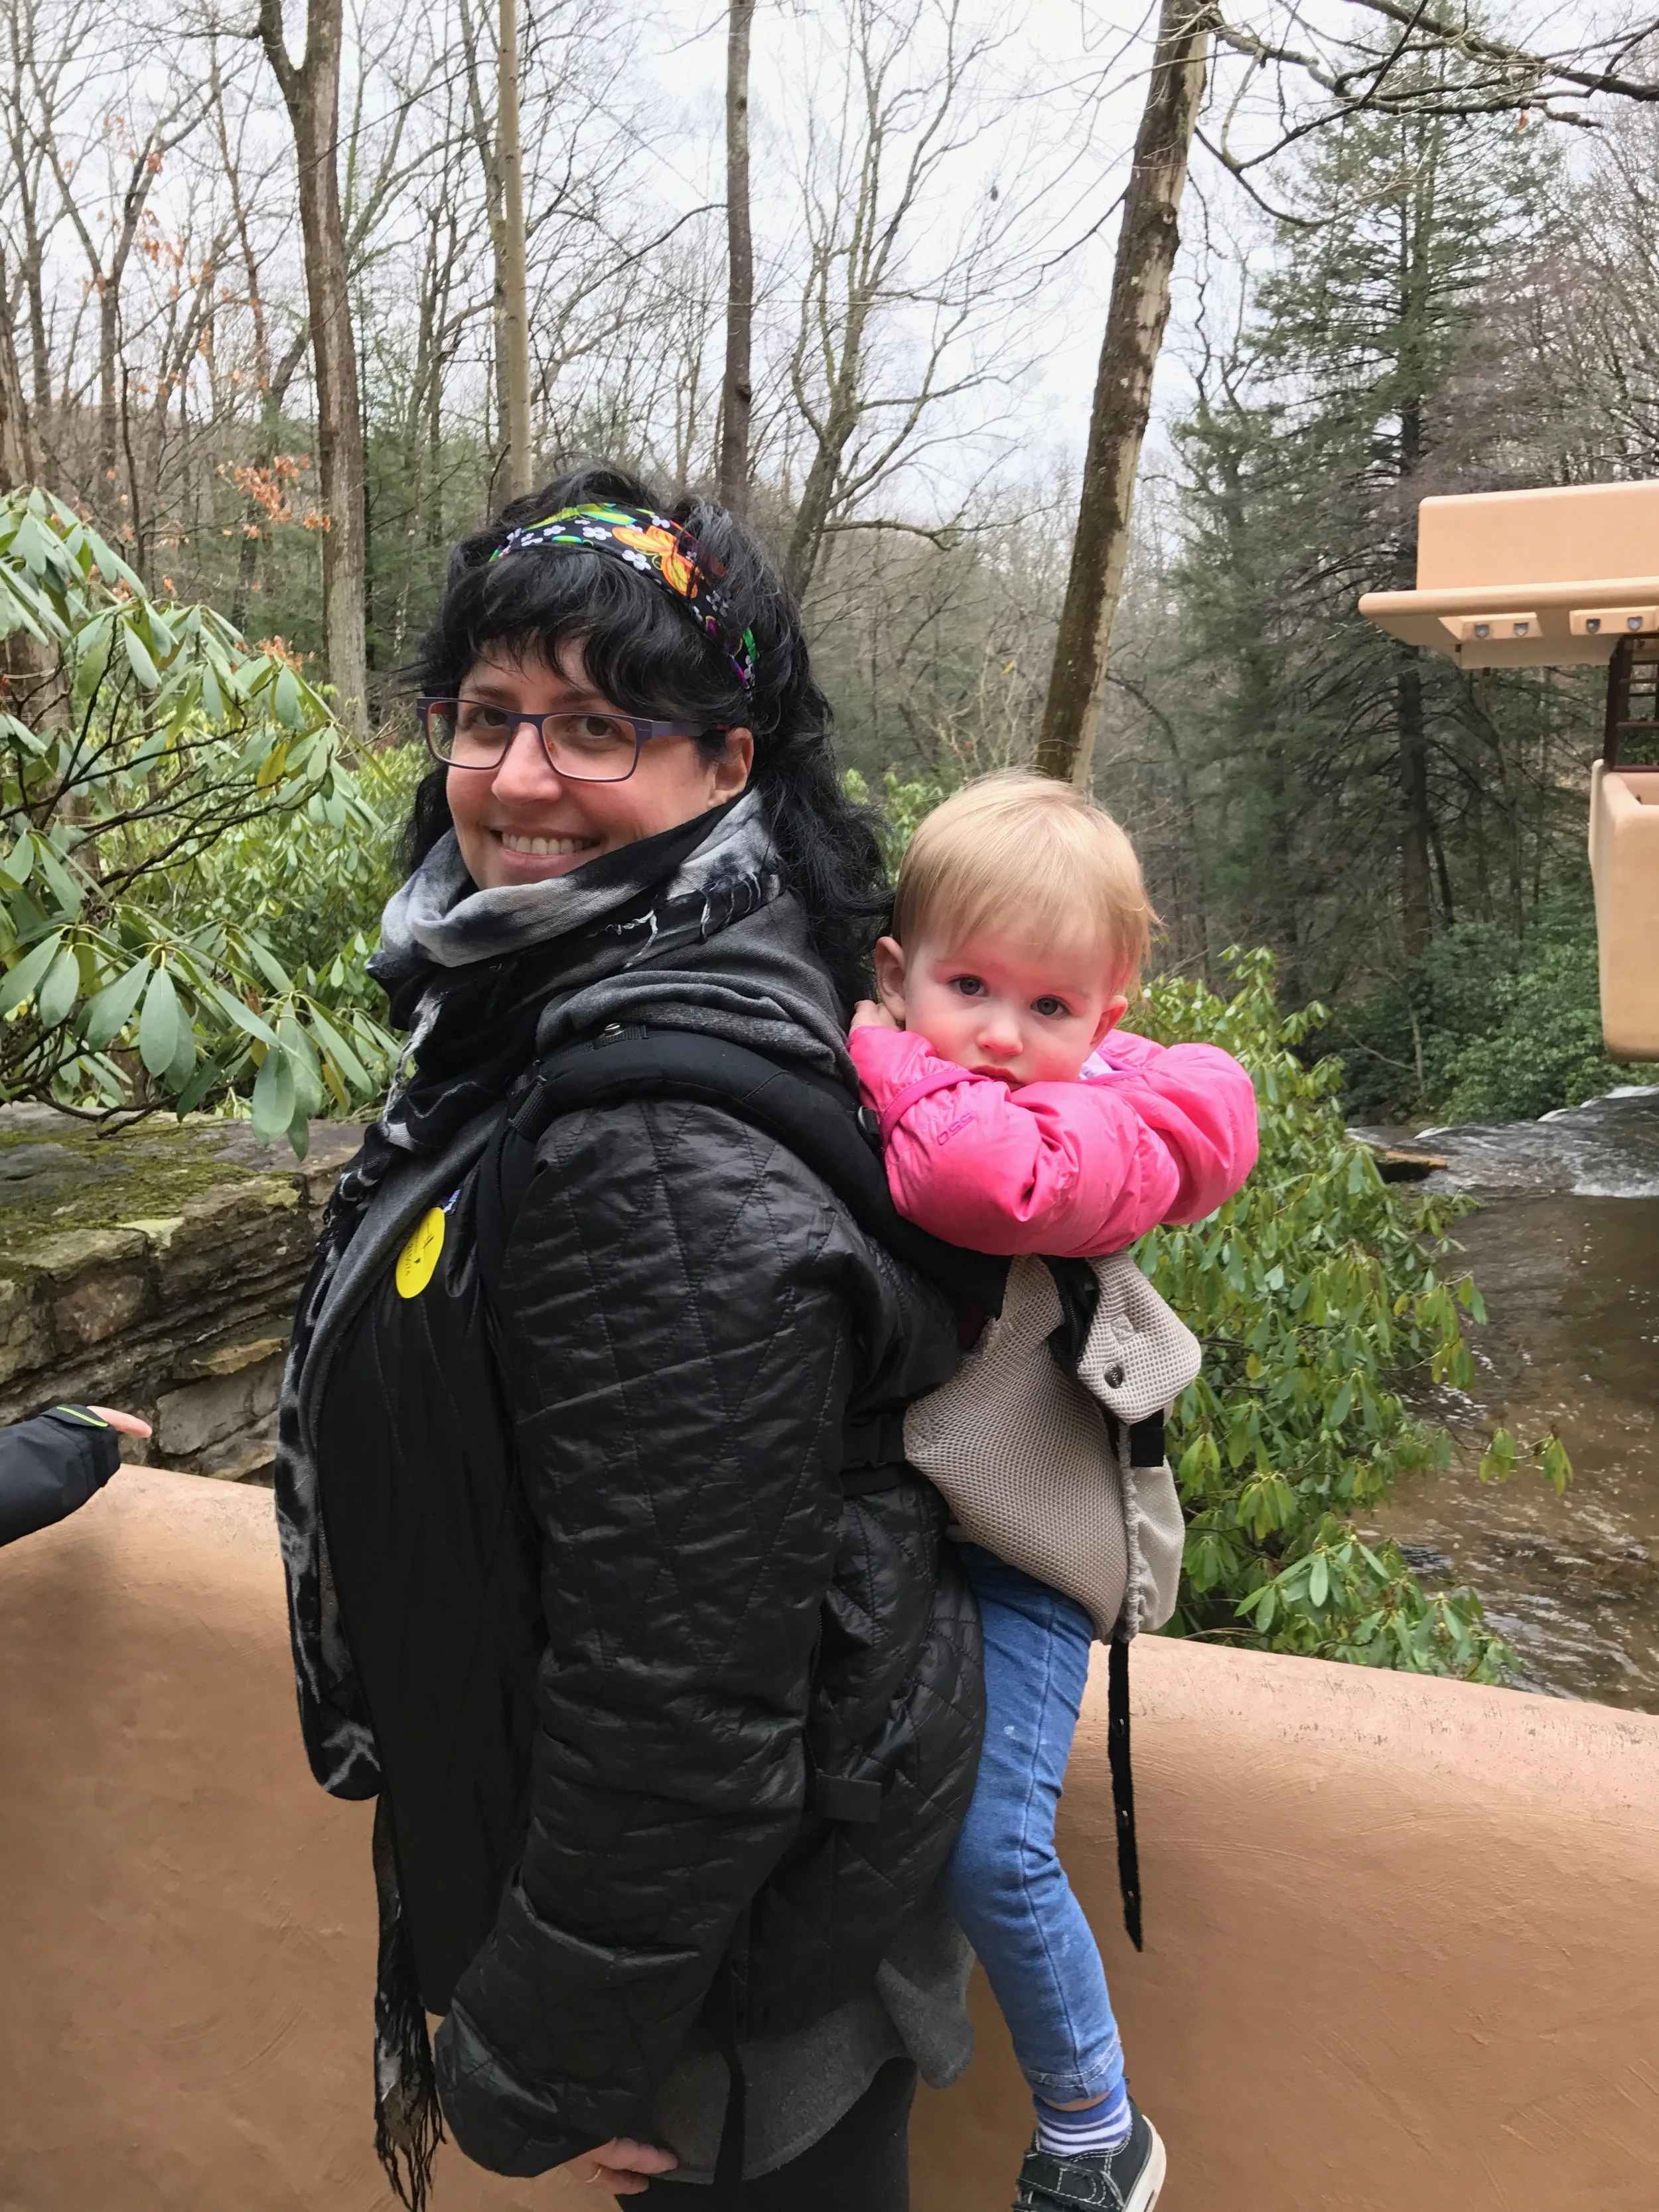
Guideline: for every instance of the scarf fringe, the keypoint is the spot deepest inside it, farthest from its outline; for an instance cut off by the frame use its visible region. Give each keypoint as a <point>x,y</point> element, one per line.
<point>408,2119</point>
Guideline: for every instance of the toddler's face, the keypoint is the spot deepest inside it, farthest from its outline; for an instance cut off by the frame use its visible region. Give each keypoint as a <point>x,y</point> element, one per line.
<point>1019,1013</point>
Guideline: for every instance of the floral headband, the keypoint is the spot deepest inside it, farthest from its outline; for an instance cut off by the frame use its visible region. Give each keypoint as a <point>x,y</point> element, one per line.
<point>659,548</point>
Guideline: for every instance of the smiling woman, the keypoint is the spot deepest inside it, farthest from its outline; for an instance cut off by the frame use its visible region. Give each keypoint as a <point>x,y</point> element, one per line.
<point>571,1558</point>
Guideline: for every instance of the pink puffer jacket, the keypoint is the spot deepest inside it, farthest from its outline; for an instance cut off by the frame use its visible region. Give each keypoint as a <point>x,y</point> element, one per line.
<point>1149,1134</point>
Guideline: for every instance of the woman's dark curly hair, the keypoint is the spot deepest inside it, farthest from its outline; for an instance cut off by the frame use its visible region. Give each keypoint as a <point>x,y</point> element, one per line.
<point>648,656</point>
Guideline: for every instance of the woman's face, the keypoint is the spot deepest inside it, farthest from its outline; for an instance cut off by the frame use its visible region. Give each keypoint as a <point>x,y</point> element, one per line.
<point>503,815</point>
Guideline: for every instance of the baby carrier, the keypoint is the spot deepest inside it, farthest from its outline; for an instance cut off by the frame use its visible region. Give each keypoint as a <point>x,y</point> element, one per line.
<point>1047,1446</point>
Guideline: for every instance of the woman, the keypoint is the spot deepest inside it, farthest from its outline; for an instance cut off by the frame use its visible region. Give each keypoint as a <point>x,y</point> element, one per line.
<point>574,1587</point>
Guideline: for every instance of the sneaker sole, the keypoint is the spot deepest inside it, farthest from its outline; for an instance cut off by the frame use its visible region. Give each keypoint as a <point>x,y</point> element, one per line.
<point>1149,2188</point>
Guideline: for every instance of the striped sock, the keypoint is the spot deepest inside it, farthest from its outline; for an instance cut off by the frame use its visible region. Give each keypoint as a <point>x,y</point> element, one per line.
<point>1102,2127</point>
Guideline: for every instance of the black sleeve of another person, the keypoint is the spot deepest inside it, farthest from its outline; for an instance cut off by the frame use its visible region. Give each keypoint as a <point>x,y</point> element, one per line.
<point>52,1465</point>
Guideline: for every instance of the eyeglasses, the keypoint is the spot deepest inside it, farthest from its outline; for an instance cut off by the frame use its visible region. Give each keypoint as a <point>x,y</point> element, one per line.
<point>586,748</point>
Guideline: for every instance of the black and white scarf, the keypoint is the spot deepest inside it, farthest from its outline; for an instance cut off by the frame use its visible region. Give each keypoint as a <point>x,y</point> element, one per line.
<point>486,982</point>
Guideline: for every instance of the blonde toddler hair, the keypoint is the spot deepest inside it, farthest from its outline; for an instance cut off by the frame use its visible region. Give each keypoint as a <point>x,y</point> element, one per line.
<point>1020,856</point>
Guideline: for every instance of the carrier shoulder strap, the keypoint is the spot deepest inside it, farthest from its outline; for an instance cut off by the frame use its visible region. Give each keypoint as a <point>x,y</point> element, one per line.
<point>816,1117</point>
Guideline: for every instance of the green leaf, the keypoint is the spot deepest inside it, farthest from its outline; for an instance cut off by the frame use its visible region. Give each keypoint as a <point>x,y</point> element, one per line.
<point>183,1064</point>
<point>1319,1580</point>
<point>1498,1460</point>
<point>68,892</point>
<point>112,1007</point>
<point>208,1077</point>
<point>19,982</point>
<point>243,1016</point>
<point>57,994</point>
<point>273,1098</point>
<point>287,697</point>
<point>138,659</point>
<point>275,974</point>
<point>302,1062</point>
<point>158,1025</point>
<point>1558,1467</point>
<point>344,1059</point>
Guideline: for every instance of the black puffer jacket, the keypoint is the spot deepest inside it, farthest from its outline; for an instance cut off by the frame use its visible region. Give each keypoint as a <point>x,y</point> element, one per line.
<point>609,1610</point>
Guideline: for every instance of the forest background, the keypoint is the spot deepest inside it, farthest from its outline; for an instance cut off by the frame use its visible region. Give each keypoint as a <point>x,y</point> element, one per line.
<point>1443,295</point>
<point>287,307</point>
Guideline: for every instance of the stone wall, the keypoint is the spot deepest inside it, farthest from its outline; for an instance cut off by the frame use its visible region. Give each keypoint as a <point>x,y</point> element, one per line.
<point>156,1268</point>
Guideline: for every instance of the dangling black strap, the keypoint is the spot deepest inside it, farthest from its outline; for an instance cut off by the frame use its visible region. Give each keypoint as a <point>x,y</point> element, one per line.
<point>1123,1783</point>
<point>727,2192</point>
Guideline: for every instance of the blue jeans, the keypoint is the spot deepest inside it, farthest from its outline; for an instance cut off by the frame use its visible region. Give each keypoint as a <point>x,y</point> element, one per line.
<point>1005,1882</point>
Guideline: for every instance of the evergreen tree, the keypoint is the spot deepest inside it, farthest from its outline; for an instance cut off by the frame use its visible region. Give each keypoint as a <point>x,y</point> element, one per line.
<point>1352,784</point>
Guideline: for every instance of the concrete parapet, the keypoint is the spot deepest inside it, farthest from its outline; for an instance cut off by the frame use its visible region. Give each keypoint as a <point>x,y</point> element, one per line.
<point>1402,1936</point>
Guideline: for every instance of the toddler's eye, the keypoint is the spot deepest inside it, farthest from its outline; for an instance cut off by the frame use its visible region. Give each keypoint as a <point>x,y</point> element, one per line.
<point>971,986</point>
<point>1049,1006</point>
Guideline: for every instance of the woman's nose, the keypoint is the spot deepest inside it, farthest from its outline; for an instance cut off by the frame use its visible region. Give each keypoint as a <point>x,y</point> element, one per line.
<point>526,774</point>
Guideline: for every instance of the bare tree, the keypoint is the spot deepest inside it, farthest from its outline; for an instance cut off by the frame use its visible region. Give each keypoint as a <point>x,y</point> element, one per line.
<point>145,156</point>
<point>310,93</point>
<point>1148,238</point>
<point>511,285</point>
<point>43,52</point>
<point>888,330</point>
<point>737,393</point>
<point>1369,55</point>
<point>16,463</point>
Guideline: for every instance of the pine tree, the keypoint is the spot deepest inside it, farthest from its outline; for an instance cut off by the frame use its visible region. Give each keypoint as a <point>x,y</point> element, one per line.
<point>1337,760</point>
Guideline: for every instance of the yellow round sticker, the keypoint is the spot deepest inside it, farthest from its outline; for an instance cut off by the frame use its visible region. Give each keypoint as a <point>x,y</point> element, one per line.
<point>418,1260</point>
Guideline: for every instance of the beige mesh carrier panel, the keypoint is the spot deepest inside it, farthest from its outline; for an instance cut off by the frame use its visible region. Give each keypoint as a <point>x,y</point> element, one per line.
<point>1566,578</point>
<point>1026,1464</point>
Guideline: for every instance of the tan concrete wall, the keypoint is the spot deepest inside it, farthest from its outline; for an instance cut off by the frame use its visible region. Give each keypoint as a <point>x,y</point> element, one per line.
<point>1403,1938</point>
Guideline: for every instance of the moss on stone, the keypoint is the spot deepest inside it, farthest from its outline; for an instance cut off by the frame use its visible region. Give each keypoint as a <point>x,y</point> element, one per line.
<point>145,1174</point>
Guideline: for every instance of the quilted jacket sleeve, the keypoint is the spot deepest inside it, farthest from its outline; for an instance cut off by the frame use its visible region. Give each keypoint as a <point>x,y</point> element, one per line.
<point>680,1303</point>
<point>52,1465</point>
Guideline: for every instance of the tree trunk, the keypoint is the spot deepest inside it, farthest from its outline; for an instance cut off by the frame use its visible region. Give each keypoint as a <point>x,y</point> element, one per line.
<point>16,468</point>
<point>311,92</point>
<point>109,306</point>
<point>800,560</point>
<point>31,684</point>
<point>1417,910</point>
<point>1416,828</point>
<point>736,394</point>
<point>511,289</point>
<point>1140,309</point>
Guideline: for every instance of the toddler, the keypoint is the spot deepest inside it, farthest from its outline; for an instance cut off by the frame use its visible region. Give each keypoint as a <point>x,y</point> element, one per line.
<point>1016,1119</point>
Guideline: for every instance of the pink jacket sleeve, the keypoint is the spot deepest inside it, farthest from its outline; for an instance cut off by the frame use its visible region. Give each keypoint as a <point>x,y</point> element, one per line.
<point>1151,1134</point>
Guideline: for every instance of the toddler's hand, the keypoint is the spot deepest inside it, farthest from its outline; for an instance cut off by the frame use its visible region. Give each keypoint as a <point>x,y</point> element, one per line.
<point>868,1015</point>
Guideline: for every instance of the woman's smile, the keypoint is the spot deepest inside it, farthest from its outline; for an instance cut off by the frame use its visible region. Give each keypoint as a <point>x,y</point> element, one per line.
<point>514,844</point>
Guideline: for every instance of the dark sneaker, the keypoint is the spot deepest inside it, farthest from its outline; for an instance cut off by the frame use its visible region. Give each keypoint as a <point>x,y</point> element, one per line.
<point>1128,2179</point>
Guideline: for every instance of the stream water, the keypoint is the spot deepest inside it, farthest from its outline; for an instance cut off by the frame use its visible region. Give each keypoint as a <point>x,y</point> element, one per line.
<point>1566,1249</point>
